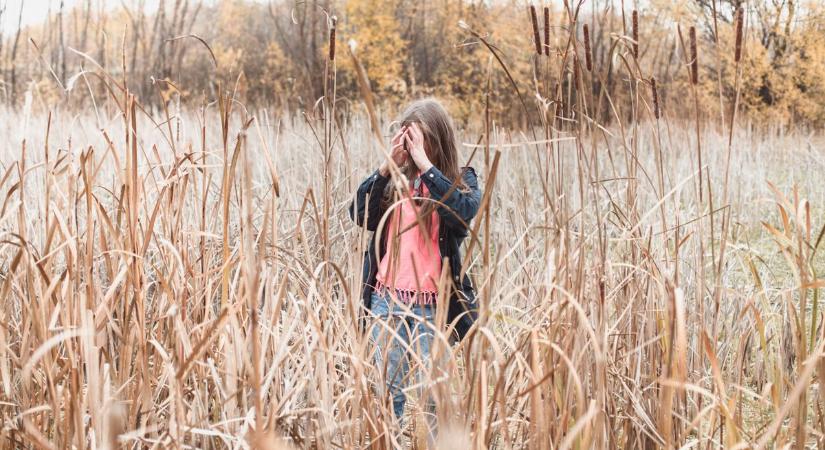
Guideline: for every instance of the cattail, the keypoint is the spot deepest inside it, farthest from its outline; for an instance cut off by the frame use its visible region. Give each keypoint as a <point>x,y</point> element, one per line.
<point>536,35</point>
<point>332,39</point>
<point>635,34</point>
<point>588,59</point>
<point>656,111</point>
<point>547,31</point>
<point>739,29</point>
<point>576,74</point>
<point>694,59</point>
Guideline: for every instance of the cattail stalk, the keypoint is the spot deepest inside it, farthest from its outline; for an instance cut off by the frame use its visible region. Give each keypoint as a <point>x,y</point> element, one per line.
<point>588,58</point>
<point>655,92</point>
<point>547,31</point>
<point>536,35</point>
<point>694,58</point>
<point>636,34</point>
<point>739,29</point>
<point>557,93</point>
<point>332,39</point>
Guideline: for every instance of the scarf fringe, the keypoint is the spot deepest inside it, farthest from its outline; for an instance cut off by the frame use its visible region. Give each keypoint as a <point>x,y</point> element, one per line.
<point>410,296</point>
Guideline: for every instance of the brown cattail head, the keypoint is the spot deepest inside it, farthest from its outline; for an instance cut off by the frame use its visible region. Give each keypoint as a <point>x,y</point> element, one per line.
<point>656,110</point>
<point>333,21</point>
<point>576,75</point>
<point>636,34</point>
<point>588,59</point>
<point>694,59</point>
<point>536,35</point>
<point>740,21</point>
<point>547,31</point>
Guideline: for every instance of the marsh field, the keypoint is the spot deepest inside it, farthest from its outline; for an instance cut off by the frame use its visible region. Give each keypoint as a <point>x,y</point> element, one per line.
<point>186,275</point>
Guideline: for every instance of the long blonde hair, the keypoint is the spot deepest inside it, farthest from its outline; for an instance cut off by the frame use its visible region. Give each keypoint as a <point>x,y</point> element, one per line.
<point>439,143</point>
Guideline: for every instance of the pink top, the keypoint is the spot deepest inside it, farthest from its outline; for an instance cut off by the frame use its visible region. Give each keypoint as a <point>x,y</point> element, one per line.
<point>417,254</point>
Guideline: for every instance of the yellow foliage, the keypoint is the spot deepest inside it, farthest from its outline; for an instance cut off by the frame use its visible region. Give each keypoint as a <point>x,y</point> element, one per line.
<point>374,32</point>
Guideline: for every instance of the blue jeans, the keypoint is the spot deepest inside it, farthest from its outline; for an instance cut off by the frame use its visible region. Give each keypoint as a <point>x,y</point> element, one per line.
<point>395,354</point>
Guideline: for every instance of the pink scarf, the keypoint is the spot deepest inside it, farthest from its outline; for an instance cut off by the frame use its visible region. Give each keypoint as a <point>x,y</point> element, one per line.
<point>411,265</point>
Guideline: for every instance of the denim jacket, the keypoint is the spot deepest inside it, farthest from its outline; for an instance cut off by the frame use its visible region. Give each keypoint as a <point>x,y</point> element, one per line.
<point>455,214</point>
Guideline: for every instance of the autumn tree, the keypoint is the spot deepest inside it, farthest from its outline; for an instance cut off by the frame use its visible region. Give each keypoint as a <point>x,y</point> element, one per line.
<point>371,28</point>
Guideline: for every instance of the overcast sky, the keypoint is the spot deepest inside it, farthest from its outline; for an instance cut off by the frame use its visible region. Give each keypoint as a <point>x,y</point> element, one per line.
<point>35,11</point>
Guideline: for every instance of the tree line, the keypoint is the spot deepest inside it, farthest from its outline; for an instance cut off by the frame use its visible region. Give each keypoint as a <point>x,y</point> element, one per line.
<point>275,54</point>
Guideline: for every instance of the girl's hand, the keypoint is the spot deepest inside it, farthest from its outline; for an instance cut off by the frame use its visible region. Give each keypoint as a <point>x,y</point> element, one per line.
<point>415,143</point>
<point>398,153</point>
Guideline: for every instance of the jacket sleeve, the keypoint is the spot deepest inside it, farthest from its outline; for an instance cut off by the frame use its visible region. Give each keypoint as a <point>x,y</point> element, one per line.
<point>459,207</point>
<point>361,206</point>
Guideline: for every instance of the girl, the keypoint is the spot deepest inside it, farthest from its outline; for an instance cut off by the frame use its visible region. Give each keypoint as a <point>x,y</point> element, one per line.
<point>403,265</point>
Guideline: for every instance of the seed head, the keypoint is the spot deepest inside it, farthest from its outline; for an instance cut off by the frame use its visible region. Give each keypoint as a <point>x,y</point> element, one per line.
<point>656,110</point>
<point>333,20</point>
<point>588,58</point>
<point>576,75</point>
<point>536,35</point>
<point>635,34</point>
<point>547,31</point>
<point>740,21</point>
<point>694,59</point>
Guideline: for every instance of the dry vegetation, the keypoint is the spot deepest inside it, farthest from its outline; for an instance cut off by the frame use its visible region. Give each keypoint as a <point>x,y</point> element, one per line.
<point>190,278</point>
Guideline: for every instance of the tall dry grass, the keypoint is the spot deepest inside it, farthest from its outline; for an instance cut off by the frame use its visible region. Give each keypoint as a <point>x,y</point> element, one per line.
<point>594,330</point>
<point>191,279</point>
